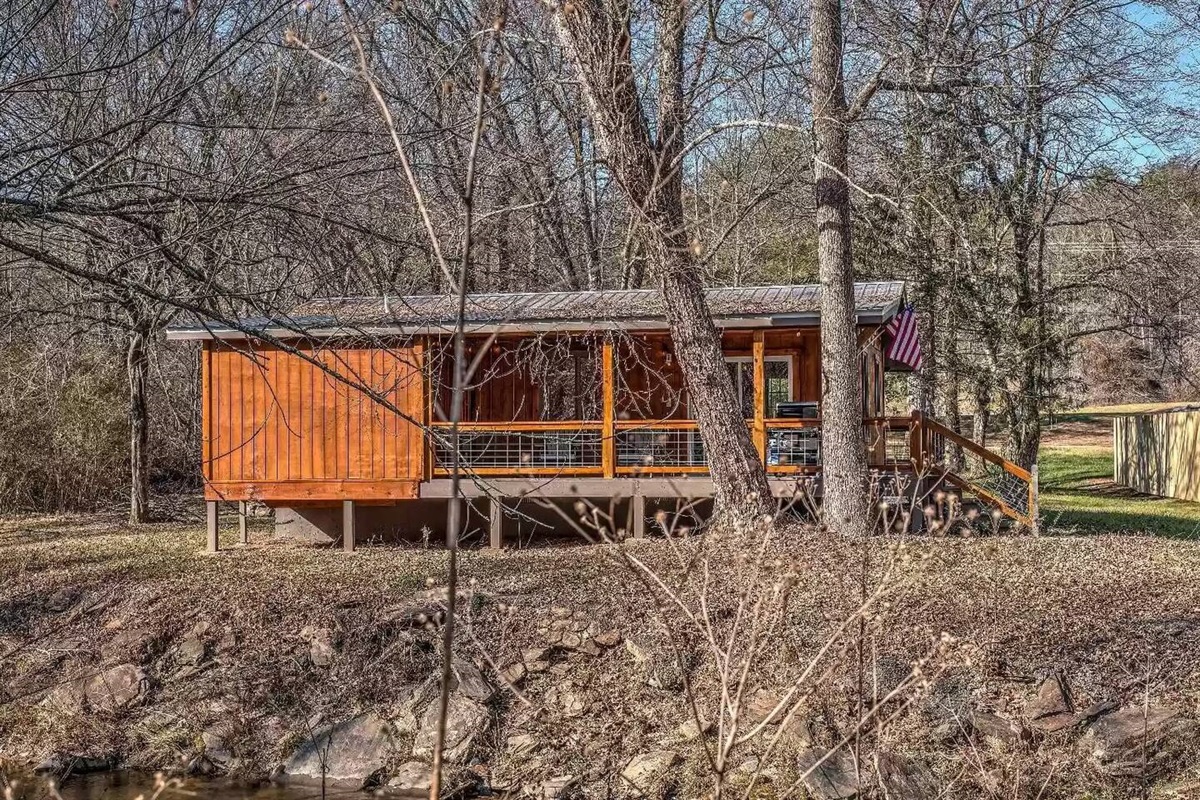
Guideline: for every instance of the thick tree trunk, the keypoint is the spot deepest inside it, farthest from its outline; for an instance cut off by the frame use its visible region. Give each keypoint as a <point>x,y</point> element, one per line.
<point>596,37</point>
<point>843,456</point>
<point>136,368</point>
<point>1025,389</point>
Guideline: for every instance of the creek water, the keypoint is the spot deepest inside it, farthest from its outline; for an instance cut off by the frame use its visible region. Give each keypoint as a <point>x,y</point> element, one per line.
<point>122,785</point>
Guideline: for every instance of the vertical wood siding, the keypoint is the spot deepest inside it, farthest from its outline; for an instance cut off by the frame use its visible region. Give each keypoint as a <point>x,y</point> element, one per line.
<point>1159,453</point>
<point>272,417</point>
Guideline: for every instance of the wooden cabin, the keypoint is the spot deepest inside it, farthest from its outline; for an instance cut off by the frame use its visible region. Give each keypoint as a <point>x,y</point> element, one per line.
<point>335,414</point>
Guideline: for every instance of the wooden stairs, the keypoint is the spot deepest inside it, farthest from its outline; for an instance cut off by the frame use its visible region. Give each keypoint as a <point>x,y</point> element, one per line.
<point>941,454</point>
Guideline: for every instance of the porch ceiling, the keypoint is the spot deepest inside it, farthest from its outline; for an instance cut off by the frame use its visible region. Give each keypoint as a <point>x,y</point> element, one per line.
<point>629,309</point>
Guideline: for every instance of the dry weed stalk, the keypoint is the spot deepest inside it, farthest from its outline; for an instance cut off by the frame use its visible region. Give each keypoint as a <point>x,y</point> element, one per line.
<point>726,596</point>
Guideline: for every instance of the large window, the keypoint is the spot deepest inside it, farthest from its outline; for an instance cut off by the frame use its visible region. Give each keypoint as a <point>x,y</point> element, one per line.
<point>777,379</point>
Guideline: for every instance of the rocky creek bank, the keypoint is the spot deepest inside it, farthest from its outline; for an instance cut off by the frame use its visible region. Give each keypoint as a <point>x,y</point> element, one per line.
<point>584,710</point>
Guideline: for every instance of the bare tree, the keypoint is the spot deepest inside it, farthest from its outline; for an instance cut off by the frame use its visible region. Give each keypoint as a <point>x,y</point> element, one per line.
<point>597,37</point>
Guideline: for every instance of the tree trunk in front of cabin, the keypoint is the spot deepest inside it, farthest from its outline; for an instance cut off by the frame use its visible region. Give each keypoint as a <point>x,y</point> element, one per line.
<point>843,455</point>
<point>596,37</point>
<point>739,478</point>
<point>136,368</point>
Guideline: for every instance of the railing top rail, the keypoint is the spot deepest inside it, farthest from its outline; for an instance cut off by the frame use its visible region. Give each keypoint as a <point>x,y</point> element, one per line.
<point>524,427</point>
<point>976,449</point>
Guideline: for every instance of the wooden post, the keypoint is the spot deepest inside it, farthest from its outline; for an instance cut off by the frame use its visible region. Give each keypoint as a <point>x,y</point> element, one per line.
<point>496,526</point>
<point>916,442</point>
<point>206,417</point>
<point>759,433</point>
<point>637,509</point>
<point>243,532</point>
<point>1033,499</point>
<point>348,526</point>
<point>214,543</point>
<point>608,444</point>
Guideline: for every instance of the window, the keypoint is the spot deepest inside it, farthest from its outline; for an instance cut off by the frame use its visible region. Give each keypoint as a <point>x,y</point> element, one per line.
<point>777,380</point>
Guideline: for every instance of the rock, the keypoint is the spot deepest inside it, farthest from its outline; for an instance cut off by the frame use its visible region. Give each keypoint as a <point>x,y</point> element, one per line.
<point>691,730</point>
<point>352,752</point>
<point>216,745</point>
<point>62,764</point>
<point>566,700</point>
<point>62,600</point>
<point>320,645</point>
<point>764,702</point>
<point>1138,742</point>
<point>537,659</point>
<point>405,715</point>
<point>514,674</point>
<point>465,720</point>
<point>520,744</point>
<point>412,777</point>
<point>608,638</point>
<point>191,650</point>
<point>559,612</point>
<point>828,776</point>
<point>554,788</point>
<point>646,770</point>
<point>114,689</point>
<point>588,647</point>
<point>469,681</point>
<point>228,642</point>
<point>128,644</point>
<point>637,650</point>
<point>996,730</point>
<point>1053,709</point>
<point>906,777</point>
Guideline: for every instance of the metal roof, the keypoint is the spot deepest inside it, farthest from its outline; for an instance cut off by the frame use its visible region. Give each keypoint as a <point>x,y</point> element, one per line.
<point>628,309</point>
<point>1132,409</point>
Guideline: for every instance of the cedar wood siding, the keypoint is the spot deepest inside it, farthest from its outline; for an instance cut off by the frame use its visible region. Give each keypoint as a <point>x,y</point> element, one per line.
<point>278,428</point>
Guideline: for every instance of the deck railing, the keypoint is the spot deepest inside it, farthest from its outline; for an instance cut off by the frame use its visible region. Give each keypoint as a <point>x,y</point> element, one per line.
<point>988,475</point>
<point>674,447</point>
<point>649,447</point>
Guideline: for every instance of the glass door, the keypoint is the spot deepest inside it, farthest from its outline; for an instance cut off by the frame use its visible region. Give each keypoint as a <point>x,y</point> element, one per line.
<point>777,383</point>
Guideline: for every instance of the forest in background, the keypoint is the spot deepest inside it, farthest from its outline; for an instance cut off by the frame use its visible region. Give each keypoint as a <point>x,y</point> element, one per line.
<point>1029,172</point>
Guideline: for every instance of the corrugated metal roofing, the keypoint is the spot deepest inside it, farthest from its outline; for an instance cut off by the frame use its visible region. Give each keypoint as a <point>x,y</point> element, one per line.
<point>875,301</point>
<point>1129,409</point>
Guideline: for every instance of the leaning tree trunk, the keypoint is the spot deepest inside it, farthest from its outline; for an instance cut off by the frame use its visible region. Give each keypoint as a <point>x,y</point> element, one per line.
<point>596,36</point>
<point>843,456</point>
<point>136,368</point>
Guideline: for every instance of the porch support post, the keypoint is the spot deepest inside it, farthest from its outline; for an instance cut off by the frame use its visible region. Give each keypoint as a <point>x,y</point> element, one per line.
<point>243,533</point>
<point>637,509</point>
<point>496,524</point>
<point>608,444</point>
<point>210,515</point>
<point>1034,524</point>
<point>916,442</point>
<point>348,526</point>
<point>759,434</point>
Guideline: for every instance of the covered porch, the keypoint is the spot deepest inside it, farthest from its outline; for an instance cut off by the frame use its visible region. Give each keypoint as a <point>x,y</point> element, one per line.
<point>614,406</point>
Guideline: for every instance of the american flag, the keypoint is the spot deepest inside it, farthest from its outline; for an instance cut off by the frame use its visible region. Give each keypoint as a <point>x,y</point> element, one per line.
<point>906,344</point>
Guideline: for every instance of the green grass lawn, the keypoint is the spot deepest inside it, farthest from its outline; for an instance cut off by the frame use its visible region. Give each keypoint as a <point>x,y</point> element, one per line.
<point>1078,495</point>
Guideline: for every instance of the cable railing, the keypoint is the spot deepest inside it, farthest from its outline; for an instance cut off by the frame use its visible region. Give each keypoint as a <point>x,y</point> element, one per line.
<point>627,448</point>
<point>989,476</point>
<point>648,447</point>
